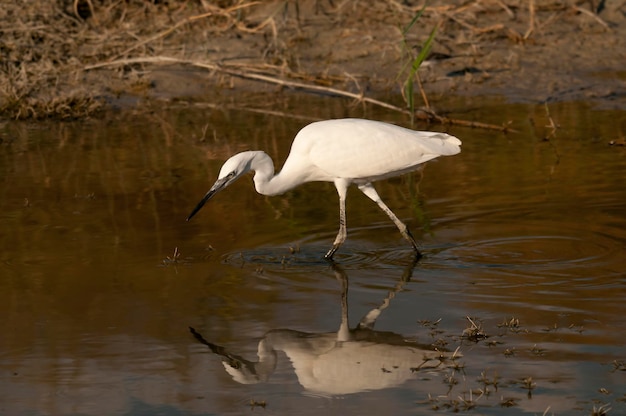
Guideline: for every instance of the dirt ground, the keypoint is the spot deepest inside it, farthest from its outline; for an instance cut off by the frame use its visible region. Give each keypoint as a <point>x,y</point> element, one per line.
<point>74,58</point>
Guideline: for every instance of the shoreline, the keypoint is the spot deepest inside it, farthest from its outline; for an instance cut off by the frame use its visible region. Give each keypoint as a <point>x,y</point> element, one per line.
<point>70,63</point>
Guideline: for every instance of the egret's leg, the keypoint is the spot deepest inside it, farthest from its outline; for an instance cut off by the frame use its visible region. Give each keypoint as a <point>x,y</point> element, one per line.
<point>342,190</point>
<point>371,193</point>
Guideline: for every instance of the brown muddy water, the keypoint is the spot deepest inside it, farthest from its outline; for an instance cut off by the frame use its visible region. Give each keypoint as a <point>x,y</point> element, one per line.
<point>518,306</point>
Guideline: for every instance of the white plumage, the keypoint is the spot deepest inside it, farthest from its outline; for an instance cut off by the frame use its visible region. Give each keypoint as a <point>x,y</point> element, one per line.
<point>344,151</point>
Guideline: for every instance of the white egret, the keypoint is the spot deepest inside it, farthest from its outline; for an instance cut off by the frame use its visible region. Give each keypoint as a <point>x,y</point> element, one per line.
<point>345,152</point>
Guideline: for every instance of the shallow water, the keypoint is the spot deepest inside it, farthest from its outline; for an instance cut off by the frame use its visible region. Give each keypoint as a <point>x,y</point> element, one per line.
<point>523,236</point>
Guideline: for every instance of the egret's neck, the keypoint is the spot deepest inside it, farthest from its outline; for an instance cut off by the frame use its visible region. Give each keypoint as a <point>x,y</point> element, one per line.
<point>267,361</point>
<point>266,181</point>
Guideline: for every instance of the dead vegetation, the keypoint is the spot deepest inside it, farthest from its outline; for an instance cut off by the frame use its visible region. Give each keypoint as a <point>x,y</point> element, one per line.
<point>72,58</point>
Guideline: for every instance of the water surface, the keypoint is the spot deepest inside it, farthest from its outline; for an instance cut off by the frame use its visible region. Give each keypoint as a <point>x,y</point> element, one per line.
<point>517,306</point>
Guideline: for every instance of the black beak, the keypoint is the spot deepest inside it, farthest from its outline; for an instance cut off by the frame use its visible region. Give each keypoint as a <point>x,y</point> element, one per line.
<point>218,186</point>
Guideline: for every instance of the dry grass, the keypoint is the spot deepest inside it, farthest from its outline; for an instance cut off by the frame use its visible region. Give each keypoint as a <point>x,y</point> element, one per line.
<point>39,48</point>
<point>49,49</point>
<point>46,45</point>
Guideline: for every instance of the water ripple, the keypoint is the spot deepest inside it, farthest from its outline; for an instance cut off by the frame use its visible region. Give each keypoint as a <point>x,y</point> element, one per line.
<point>534,246</point>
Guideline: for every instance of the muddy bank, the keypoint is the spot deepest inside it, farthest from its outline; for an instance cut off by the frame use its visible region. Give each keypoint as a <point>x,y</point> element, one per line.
<point>71,59</point>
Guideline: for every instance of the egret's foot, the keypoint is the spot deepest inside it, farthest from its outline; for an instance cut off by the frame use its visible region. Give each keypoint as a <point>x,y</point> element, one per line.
<point>409,237</point>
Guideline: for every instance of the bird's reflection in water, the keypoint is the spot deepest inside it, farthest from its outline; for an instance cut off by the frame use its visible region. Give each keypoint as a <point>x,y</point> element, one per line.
<point>342,362</point>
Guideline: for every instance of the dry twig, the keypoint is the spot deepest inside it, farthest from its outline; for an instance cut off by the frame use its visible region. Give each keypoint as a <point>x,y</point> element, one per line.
<point>425,115</point>
<point>592,15</point>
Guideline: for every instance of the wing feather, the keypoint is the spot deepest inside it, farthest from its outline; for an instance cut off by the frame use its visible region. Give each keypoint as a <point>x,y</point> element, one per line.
<point>370,150</point>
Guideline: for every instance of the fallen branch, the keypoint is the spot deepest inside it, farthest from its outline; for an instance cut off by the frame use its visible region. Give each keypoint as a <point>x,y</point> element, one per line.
<point>247,75</point>
<point>426,115</point>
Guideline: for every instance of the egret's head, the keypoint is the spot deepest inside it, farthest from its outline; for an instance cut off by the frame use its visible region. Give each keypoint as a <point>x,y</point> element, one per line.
<point>232,170</point>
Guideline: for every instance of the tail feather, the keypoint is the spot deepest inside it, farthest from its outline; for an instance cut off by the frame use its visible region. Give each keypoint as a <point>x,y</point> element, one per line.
<point>450,145</point>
